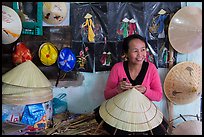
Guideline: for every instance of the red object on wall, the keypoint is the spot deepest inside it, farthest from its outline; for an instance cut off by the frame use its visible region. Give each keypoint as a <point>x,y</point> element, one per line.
<point>21,54</point>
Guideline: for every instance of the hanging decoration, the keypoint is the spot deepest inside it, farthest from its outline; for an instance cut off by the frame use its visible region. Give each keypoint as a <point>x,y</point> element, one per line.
<point>21,53</point>
<point>66,60</point>
<point>11,25</point>
<point>48,53</point>
<point>82,57</point>
<point>132,27</point>
<point>54,12</point>
<point>89,25</point>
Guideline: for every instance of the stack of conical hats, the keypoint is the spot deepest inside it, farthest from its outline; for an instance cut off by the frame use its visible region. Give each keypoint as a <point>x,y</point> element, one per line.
<point>131,111</point>
<point>25,84</point>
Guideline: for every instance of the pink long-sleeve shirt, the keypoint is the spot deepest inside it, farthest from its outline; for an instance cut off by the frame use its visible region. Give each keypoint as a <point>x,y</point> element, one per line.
<point>151,81</point>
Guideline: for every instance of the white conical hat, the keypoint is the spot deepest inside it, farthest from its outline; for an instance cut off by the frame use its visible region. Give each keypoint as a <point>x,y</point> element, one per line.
<point>183,83</point>
<point>185,29</point>
<point>162,11</point>
<point>11,25</point>
<point>88,15</point>
<point>131,111</point>
<point>26,74</point>
<point>191,127</point>
<point>132,20</point>
<point>54,12</point>
<point>125,20</point>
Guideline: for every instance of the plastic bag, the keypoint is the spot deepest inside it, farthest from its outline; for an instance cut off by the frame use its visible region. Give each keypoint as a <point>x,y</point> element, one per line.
<point>59,106</point>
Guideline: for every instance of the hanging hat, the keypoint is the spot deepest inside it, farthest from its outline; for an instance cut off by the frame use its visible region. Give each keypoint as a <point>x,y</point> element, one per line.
<point>191,127</point>
<point>131,111</point>
<point>88,16</point>
<point>54,12</point>
<point>183,83</point>
<point>132,21</point>
<point>66,60</point>
<point>48,53</point>
<point>162,11</point>
<point>185,29</point>
<point>26,74</point>
<point>11,25</point>
<point>21,54</point>
<point>125,20</point>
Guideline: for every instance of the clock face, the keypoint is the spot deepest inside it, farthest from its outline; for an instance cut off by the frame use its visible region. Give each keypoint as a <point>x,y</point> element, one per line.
<point>183,83</point>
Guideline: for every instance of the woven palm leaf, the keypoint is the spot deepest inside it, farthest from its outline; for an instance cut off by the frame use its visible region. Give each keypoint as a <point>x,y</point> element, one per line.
<point>26,74</point>
<point>8,89</point>
<point>27,98</point>
<point>191,127</point>
<point>131,111</point>
<point>183,83</point>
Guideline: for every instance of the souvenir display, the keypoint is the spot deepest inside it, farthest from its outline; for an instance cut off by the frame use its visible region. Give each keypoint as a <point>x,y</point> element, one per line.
<point>11,25</point>
<point>183,83</point>
<point>21,54</point>
<point>48,53</point>
<point>185,29</point>
<point>54,12</point>
<point>131,111</point>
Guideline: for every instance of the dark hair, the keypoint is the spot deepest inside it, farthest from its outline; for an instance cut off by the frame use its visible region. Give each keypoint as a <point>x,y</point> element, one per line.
<point>127,40</point>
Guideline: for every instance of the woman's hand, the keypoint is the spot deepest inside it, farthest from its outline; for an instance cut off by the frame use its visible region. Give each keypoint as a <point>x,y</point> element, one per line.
<point>123,85</point>
<point>141,88</point>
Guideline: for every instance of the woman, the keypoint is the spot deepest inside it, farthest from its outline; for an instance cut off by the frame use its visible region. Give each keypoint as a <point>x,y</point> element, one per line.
<point>136,73</point>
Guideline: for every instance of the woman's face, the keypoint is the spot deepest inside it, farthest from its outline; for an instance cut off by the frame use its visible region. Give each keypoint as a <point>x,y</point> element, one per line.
<point>136,52</point>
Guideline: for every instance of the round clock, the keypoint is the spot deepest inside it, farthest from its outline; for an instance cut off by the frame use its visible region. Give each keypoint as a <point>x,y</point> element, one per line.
<point>183,83</point>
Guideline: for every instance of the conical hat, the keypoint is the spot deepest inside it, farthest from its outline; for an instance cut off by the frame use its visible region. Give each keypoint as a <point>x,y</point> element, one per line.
<point>191,127</point>
<point>132,21</point>
<point>131,111</point>
<point>26,74</point>
<point>183,83</point>
<point>54,12</point>
<point>162,11</point>
<point>8,89</point>
<point>11,25</point>
<point>88,16</point>
<point>185,29</point>
<point>48,53</point>
<point>125,20</point>
<point>27,98</point>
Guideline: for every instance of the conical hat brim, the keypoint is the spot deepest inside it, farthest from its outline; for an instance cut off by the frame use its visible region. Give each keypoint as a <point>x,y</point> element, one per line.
<point>26,74</point>
<point>125,20</point>
<point>131,111</point>
<point>8,89</point>
<point>181,79</point>
<point>132,21</point>
<point>14,26</point>
<point>185,29</point>
<point>191,127</point>
<point>28,98</point>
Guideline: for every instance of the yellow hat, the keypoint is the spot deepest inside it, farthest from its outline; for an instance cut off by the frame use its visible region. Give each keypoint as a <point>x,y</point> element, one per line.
<point>48,53</point>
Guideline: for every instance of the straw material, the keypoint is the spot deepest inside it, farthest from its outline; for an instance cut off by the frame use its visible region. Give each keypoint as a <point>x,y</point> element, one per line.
<point>27,98</point>
<point>162,11</point>
<point>191,127</point>
<point>26,74</point>
<point>183,83</point>
<point>131,111</point>
<point>185,29</point>
<point>8,89</point>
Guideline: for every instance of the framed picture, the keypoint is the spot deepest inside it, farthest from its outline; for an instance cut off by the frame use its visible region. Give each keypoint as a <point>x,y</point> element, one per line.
<point>31,17</point>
